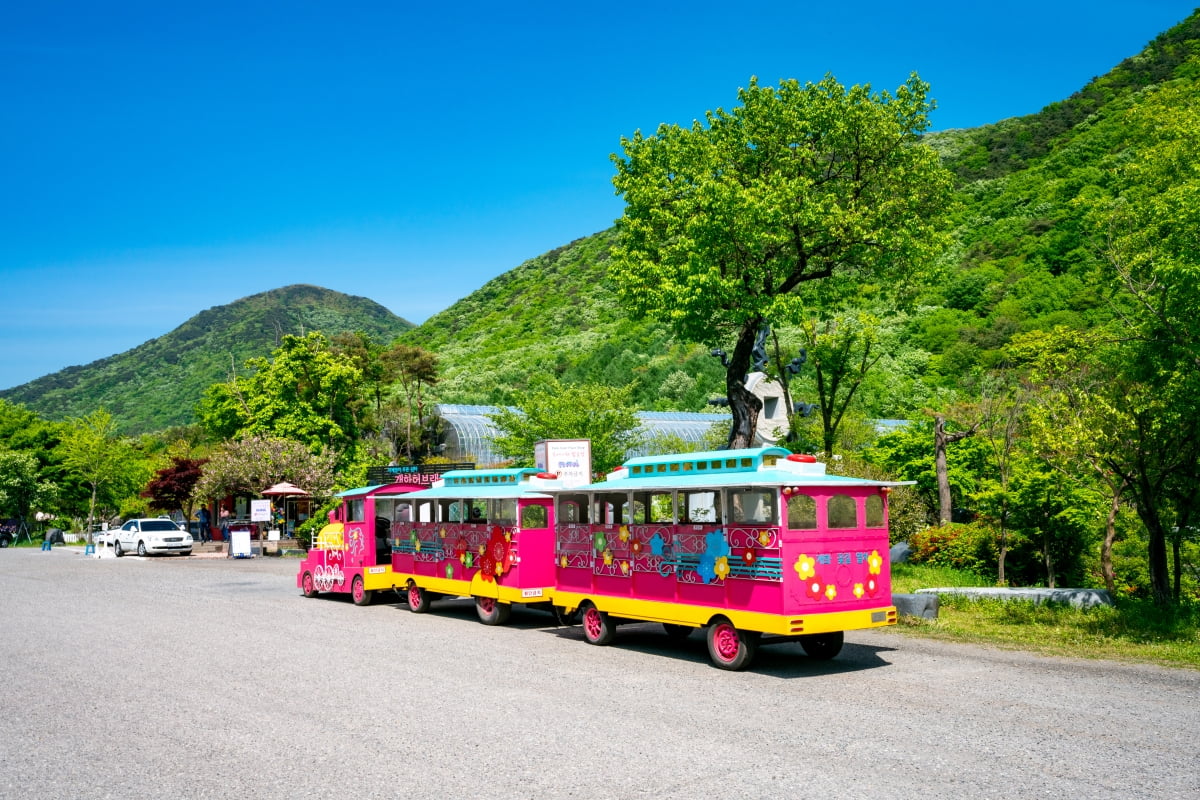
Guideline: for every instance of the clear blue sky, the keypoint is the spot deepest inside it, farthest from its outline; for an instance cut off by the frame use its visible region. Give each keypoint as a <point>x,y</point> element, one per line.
<point>160,158</point>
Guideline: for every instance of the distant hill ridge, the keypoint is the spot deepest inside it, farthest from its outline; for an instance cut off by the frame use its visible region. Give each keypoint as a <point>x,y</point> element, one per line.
<point>157,384</point>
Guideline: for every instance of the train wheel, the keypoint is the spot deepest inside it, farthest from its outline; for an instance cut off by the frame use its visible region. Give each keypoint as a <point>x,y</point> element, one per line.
<point>491,611</point>
<point>823,646</point>
<point>359,593</point>
<point>730,648</point>
<point>563,618</point>
<point>418,599</point>
<point>308,587</point>
<point>677,633</point>
<point>597,628</point>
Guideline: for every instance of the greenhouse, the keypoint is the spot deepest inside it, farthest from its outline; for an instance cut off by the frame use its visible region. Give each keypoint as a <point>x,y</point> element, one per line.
<point>468,431</point>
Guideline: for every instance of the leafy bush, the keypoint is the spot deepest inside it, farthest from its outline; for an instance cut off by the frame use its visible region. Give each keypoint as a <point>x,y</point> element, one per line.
<point>970,547</point>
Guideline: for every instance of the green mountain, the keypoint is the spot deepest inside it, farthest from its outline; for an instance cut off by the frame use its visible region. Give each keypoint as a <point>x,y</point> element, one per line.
<point>157,384</point>
<point>557,315</point>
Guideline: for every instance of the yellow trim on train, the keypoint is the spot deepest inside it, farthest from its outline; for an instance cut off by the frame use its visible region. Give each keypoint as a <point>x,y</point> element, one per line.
<point>699,616</point>
<point>476,587</point>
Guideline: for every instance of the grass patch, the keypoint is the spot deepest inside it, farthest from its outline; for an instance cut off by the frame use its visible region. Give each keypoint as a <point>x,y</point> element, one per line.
<point>1133,630</point>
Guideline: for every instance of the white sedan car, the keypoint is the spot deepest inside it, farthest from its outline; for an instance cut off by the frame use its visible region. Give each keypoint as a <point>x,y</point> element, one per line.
<point>148,536</point>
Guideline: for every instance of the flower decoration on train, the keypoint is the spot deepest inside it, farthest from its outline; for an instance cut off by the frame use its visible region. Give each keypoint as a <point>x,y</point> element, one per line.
<point>805,567</point>
<point>749,556</point>
<point>624,567</point>
<point>608,557</point>
<point>765,538</point>
<point>872,585</point>
<point>874,562</point>
<point>449,569</point>
<point>460,550</point>
<point>859,591</point>
<point>562,562</point>
<point>715,549</point>
<point>599,541</point>
<point>624,533</point>
<point>831,591</point>
<point>814,588</point>
<point>657,545</point>
<point>635,545</point>
<point>721,568</point>
<point>498,558</point>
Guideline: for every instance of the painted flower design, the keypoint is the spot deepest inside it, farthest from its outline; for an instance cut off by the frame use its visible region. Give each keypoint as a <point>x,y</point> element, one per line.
<point>872,586</point>
<point>805,567</point>
<point>859,591</point>
<point>764,538</point>
<point>599,541</point>
<point>721,567</point>
<point>460,550</point>
<point>624,533</point>
<point>624,567</point>
<point>497,558</point>
<point>814,588</point>
<point>749,556</point>
<point>562,562</point>
<point>636,545</point>
<point>874,562</point>
<point>831,591</point>
<point>608,558</point>
<point>450,569</point>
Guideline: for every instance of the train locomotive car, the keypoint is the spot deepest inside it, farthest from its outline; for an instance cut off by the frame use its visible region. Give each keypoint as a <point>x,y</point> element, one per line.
<point>752,545</point>
<point>353,552</point>
<point>485,534</point>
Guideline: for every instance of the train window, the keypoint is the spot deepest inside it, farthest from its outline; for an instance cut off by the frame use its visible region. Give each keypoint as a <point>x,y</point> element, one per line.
<point>502,511</point>
<point>874,511</point>
<point>701,507</point>
<point>573,508</point>
<point>661,507</point>
<point>534,517</point>
<point>842,511</point>
<point>802,512</point>
<point>450,511</point>
<point>611,509</point>
<point>756,506</point>
<point>356,510</point>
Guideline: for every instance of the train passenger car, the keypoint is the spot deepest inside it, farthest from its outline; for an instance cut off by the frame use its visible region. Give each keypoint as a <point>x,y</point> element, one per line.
<point>751,545</point>
<point>353,553</point>
<point>486,534</point>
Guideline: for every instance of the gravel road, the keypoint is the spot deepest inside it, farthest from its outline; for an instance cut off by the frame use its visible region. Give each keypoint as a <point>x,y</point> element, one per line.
<point>211,678</point>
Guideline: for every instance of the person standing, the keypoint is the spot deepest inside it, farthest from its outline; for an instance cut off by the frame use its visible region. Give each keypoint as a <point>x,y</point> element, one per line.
<point>205,532</point>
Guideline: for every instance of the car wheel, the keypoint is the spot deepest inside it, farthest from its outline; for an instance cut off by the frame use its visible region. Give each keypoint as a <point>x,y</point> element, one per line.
<point>597,629</point>
<point>186,553</point>
<point>308,586</point>
<point>117,551</point>
<point>491,611</point>
<point>359,593</point>
<point>141,548</point>
<point>730,648</point>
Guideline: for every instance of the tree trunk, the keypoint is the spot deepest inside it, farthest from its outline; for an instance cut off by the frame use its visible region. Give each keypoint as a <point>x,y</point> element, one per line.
<point>743,405</point>
<point>1106,548</point>
<point>940,440</point>
<point>1047,558</point>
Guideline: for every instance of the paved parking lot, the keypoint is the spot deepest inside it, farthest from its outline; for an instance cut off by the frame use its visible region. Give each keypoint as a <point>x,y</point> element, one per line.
<point>202,678</point>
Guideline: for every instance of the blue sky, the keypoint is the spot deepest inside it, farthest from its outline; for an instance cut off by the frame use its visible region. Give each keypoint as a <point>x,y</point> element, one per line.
<point>158,159</point>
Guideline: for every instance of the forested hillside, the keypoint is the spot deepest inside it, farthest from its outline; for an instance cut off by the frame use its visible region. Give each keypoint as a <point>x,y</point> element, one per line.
<point>157,384</point>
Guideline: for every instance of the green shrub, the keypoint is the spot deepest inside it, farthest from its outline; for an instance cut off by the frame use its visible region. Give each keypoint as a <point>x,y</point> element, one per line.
<point>968,547</point>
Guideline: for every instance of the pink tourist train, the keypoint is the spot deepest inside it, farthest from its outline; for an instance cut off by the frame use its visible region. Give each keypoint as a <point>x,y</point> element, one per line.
<point>751,546</point>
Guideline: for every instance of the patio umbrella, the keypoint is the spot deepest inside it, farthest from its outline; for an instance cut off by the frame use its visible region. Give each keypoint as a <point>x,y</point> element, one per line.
<point>283,491</point>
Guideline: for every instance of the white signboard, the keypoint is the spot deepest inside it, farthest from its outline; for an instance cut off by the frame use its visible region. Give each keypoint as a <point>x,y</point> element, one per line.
<point>240,543</point>
<point>260,510</point>
<point>570,459</point>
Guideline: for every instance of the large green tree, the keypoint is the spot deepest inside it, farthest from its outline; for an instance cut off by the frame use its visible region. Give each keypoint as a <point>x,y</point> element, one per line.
<point>799,184</point>
<point>305,392</point>
<point>97,457</point>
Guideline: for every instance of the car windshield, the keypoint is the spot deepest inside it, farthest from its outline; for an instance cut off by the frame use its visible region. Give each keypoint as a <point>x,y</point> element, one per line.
<point>159,525</point>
